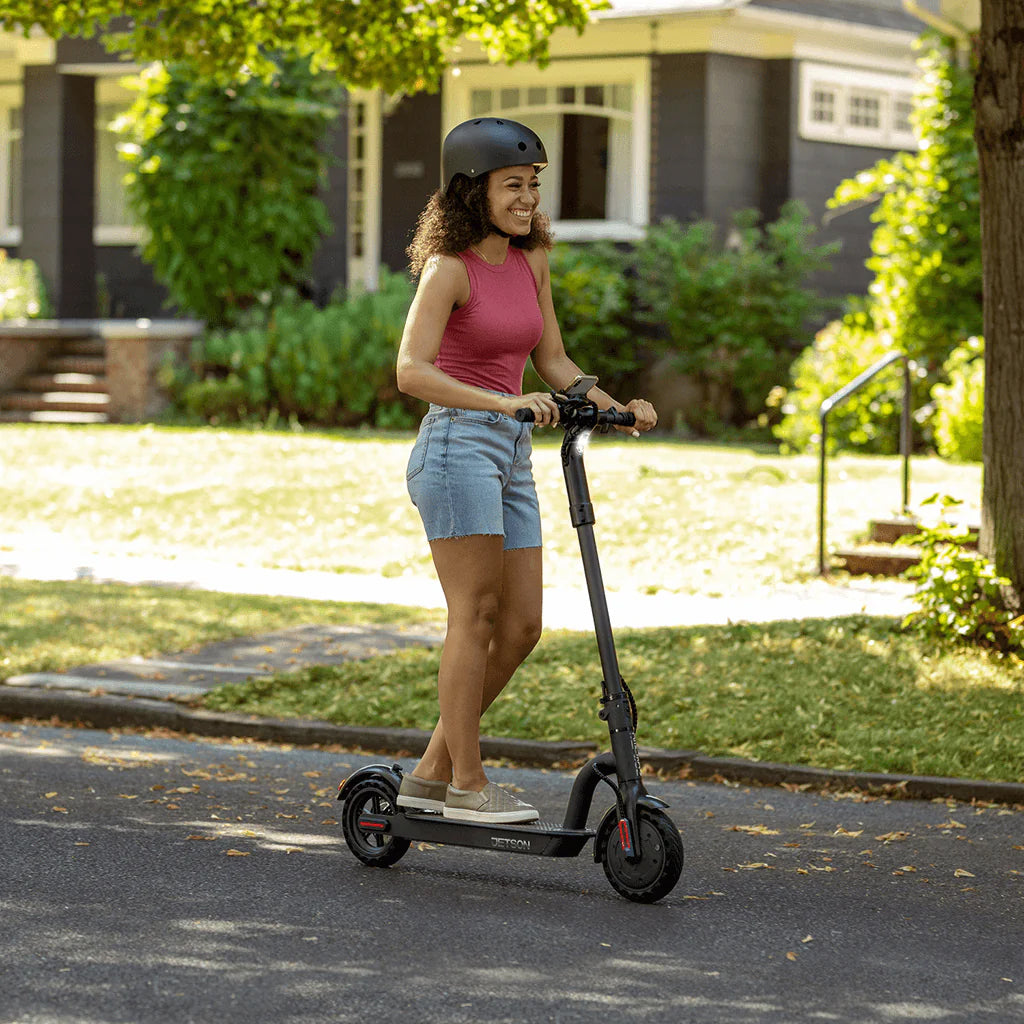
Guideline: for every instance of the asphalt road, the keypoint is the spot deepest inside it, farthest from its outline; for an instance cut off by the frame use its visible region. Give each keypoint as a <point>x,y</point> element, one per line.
<point>147,879</point>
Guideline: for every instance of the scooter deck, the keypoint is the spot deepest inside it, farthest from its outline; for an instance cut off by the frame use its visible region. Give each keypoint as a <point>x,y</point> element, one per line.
<point>539,838</point>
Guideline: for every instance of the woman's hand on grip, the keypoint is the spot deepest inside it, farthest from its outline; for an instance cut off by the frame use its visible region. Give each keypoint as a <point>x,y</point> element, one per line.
<point>540,403</point>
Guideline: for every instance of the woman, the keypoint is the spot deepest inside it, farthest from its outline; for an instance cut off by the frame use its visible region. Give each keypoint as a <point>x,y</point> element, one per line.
<point>483,306</point>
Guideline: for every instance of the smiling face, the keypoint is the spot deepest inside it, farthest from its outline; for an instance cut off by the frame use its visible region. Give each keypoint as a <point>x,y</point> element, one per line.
<point>513,196</point>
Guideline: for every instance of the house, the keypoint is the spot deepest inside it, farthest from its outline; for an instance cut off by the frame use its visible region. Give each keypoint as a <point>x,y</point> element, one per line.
<point>662,108</point>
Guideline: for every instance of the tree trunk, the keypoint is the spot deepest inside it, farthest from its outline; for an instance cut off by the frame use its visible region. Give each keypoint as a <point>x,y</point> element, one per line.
<point>999,130</point>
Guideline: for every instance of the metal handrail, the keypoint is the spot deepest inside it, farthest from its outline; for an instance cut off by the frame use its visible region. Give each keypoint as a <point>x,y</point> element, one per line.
<point>836,399</point>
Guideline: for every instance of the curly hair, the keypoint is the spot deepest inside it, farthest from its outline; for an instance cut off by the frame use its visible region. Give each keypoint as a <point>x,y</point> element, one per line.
<point>452,221</point>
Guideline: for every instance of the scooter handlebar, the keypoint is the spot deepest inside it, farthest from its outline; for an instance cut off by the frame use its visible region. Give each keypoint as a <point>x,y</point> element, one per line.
<point>609,417</point>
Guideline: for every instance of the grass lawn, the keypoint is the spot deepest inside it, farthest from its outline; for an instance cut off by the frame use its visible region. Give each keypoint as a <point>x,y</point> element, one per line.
<point>48,627</point>
<point>690,518</point>
<point>849,693</point>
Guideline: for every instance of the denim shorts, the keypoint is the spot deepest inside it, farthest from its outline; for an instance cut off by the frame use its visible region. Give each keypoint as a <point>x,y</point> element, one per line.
<point>469,473</point>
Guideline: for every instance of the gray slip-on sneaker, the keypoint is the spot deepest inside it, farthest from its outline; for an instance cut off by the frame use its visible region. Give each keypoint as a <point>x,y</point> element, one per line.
<point>422,794</point>
<point>492,805</point>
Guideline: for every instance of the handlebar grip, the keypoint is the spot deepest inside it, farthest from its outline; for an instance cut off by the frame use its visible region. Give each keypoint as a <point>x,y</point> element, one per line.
<point>524,415</point>
<point>617,419</point>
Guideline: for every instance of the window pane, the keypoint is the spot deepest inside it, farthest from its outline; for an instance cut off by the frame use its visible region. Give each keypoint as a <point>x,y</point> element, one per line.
<point>901,110</point>
<point>537,97</point>
<point>567,94</point>
<point>593,95</point>
<point>480,102</point>
<point>111,199</point>
<point>509,99</point>
<point>823,106</point>
<point>622,97</point>
<point>864,110</point>
<point>584,167</point>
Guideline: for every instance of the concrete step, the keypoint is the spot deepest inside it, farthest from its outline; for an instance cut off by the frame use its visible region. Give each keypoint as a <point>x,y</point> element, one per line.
<point>95,365</point>
<point>78,382</point>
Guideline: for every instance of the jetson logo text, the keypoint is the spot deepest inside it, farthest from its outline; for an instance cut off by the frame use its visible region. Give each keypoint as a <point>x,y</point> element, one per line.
<point>501,843</point>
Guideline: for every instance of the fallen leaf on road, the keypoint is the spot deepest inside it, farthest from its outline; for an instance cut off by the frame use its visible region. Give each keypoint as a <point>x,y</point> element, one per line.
<point>236,853</point>
<point>205,839</point>
<point>754,830</point>
<point>791,956</point>
<point>843,832</point>
<point>961,873</point>
<point>59,810</point>
<point>50,796</point>
<point>755,866</point>
<point>893,837</point>
<point>807,938</point>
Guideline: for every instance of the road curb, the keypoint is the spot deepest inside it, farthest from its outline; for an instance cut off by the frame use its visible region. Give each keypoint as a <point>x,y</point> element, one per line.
<point>101,711</point>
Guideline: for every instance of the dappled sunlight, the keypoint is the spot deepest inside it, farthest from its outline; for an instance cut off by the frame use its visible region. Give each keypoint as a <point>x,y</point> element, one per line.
<point>114,757</point>
<point>689,518</point>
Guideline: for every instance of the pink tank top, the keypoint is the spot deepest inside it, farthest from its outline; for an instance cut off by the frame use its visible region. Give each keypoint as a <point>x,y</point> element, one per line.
<point>487,341</point>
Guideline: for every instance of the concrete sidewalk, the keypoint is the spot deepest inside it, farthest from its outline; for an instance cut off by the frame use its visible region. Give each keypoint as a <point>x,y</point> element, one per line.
<point>565,607</point>
<point>163,692</point>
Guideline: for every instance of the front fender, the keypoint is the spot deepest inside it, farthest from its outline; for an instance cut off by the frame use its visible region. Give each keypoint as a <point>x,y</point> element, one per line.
<point>392,772</point>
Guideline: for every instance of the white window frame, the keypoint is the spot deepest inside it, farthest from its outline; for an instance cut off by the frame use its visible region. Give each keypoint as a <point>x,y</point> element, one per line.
<point>460,82</point>
<point>846,84</point>
<point>11,98</point>
<point>110,90</point>
<point>364,270</point>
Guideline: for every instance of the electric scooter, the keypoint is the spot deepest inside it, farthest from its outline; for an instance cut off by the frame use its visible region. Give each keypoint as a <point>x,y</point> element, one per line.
<point>636,841</point>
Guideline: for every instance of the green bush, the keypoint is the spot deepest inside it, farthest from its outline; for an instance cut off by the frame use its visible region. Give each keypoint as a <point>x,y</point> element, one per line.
<point>329,366</point>
<point>960,404</point>
<point>22,293</point>
<point>593,297</point>
<point>225,179</point>
<point>868,419</point>
<point>733,316</point>
<point>959,593</point>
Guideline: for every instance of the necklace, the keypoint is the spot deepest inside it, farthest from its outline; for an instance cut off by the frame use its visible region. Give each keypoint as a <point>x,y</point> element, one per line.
<point>483,257</point>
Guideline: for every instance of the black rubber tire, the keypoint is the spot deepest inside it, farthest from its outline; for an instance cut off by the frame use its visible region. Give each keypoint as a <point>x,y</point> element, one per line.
<point>655,875</point>
<point>379,850</point>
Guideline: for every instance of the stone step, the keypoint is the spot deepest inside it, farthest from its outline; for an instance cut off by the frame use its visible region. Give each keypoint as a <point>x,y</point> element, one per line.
<point>95,365</point>
<point>877,560</point>
<point>55,401</point>
<point>84,347</point>
<point>78,382</point>
<point>888,531</point>
<point>51,416</point>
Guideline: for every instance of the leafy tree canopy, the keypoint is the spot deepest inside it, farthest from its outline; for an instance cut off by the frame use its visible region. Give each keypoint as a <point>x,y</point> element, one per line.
<point>394,44</point>
<point>926,248</point>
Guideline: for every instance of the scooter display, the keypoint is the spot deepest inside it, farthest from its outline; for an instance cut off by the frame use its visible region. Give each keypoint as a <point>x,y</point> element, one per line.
<point>636,842</point>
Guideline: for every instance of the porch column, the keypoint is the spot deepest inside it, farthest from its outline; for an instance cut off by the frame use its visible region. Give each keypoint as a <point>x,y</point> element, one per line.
<point>58,165</point>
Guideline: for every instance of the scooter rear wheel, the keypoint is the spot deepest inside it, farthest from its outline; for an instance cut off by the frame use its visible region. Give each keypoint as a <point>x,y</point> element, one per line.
<point>655,875</point>
<point>371,846</point>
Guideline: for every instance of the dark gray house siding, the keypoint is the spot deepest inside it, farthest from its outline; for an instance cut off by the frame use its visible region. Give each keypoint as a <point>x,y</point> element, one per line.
<point>725,137</point>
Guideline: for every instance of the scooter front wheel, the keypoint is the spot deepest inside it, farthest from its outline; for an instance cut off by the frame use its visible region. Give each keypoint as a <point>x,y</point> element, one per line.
<point>373,796</point>
<point>657,871</point>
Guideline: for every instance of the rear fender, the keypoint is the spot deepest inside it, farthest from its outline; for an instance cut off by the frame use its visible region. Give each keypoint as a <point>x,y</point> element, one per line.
<point>393,774</point>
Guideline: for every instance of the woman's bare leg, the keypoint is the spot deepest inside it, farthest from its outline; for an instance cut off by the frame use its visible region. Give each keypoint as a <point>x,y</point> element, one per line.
<point>491,630</point>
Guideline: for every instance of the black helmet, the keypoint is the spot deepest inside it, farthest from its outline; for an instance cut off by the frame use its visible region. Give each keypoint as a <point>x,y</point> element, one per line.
<point>487,143</point>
